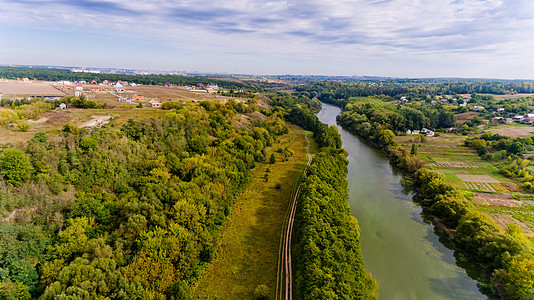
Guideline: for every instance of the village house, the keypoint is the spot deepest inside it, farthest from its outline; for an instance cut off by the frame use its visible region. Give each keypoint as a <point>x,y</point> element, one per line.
<point>478,108</point>
<point>154,103</point>
<point>528,118</point>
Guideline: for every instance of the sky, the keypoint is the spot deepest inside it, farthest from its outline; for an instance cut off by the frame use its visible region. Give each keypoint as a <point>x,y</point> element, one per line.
<point>398,38</point>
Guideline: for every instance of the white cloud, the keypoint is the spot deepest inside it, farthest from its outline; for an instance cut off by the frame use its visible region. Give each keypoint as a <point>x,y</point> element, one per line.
<point>315,29</point>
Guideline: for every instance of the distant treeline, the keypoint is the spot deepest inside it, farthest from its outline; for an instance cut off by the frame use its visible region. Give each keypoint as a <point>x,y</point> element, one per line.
<point>60,74</point>
<point>328,261</point>
<point>328,91</point>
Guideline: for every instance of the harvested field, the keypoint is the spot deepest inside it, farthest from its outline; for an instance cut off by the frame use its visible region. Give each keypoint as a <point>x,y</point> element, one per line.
<point>477,178</point>
<point>453,164</point>
<point>525,131</point>
<point>504,220</point>
<point>480,186</point>
<point>504,200</point>
<point>29,89</point>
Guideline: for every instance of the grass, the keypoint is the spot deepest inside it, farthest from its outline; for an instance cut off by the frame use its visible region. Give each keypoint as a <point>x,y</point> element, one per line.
<point>248,252</point>
<point>451,150</point>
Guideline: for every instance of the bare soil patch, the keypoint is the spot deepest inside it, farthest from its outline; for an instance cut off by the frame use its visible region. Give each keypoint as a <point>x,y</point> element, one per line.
<point>95,121</point>
<point>512,187</point>
<point>29,89</point>
<point>504,220</point>
<point>504,200</point>
<point>515,131</point>
<point>477,178</point>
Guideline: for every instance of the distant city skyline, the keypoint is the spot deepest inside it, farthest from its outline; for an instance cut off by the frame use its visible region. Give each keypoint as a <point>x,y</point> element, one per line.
<point>390,38</point>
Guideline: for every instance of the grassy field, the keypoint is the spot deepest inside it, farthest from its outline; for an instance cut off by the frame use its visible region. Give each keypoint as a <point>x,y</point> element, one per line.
<point>248,252</point>
<point>478,180</point>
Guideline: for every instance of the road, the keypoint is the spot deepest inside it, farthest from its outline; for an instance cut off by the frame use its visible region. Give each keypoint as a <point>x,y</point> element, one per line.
<point>284,288</point>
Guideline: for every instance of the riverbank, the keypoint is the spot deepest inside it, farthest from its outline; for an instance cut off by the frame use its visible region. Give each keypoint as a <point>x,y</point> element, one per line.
<point>476,234</point>
<point>402,252</point>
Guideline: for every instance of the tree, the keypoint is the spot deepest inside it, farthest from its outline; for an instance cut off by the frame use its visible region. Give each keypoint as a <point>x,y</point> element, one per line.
<point>15,166</point>
<point>414,149</point>
<point>272,160</point>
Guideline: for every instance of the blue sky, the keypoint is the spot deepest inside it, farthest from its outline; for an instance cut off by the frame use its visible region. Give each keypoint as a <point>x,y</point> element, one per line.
<point>404,38</point>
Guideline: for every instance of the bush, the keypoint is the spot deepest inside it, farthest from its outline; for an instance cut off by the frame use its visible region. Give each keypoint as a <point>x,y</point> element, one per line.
<point>15,167</point>
<point>261,292</point>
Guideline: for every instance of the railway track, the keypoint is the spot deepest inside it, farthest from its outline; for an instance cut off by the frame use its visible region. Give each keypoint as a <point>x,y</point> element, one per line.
<point>284,278</point>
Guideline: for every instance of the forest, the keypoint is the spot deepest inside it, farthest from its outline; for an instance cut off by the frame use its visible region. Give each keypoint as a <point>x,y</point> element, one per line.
<point>126,213</point>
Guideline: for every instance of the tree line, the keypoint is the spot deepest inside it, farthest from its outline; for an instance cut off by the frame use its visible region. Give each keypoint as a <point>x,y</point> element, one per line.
<point>507,258</point>
<point>328,261</point>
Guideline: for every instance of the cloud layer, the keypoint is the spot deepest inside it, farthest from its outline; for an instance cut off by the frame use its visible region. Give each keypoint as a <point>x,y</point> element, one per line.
<point>314,30</point>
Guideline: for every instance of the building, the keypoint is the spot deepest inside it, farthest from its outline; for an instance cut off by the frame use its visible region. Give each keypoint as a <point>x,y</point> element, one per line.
<point>478,108</point>
<point>154,103</point>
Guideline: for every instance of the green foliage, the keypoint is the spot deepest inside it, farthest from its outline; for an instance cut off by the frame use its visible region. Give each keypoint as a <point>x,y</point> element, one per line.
<point>328,258</point>
<point>261,292</point>
<point>15,166</point>
<point>20,248</point>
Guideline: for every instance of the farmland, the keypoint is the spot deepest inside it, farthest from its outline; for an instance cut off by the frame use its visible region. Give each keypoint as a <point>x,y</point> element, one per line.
<point>503,199</point>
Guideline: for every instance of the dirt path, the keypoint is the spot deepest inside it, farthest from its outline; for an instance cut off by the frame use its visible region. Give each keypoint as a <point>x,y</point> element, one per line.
<point>96,121</point>
<point>284,257</point>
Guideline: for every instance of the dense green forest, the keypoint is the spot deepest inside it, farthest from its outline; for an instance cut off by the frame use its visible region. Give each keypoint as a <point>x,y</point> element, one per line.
<point>131,212</point>
<point>328,260</point>
<point>62,74</point>
<point>334,92</point>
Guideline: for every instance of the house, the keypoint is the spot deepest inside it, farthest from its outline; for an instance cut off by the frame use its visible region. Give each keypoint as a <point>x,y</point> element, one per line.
<point>26,80</point>
<point>518,118</point>
<point>478,108</point>
<point>529,118</point>
<point>154,103</point>
<point>408,131</point>
<point>138,97</point>
<point>428,132</point>
<point>79,87</point>
<point>500,109</point>
<point>119,90</point>
<point>497,120</point>
<point>509,120</point>
<point>463,104</point>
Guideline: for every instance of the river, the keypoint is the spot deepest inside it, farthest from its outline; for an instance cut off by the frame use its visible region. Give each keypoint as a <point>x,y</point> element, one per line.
<point>402,252</point>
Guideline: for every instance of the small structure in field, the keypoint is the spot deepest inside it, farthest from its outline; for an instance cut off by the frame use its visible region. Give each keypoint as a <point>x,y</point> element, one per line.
<point>154,103</point>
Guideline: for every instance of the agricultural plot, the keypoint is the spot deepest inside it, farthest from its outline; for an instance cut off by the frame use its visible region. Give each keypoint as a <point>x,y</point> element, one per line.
<point>504,200</point>
<point>480,186</point>
<point>504,220</point>
<point>477,178</point>
<point>28,89</point>
<point>453,164</point>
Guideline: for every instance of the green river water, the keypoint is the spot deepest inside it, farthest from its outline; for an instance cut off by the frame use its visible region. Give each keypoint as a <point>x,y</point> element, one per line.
<point>402,252</point>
